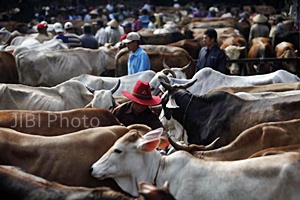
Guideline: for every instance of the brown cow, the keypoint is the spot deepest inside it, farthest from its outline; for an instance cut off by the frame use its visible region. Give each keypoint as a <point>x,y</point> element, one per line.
<point>260,48</point>
<point>8,68</point>
<point>66,158</point>
<point>250,141</point>
<point>50,123</point>
<point>287,50</point>
<point>18,185</point>
<point>274,87</point>
<point>276,150</point>
<point>192,46</point>
<point>174,56</point>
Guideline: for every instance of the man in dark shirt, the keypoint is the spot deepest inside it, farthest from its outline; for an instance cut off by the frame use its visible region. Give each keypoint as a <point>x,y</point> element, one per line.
<point>138,111</point>
<point>211,55</point>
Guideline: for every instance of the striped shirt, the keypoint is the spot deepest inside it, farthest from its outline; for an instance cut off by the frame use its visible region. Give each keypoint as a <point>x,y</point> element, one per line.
<point>73,40</point>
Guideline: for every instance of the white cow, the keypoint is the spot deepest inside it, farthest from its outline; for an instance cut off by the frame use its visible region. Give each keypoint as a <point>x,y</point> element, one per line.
<point>133,158</point>
<point>127,82</point>
<point>49,68</point>
<point>65,96</point>
<point>49,45</point>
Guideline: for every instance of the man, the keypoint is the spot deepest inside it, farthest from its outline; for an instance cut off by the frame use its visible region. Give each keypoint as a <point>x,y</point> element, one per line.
<point>101,35</point>
<point>211,55</point>
<point>138,59</point>
<point>137,111</point>
<point>127,29</point>
<point>59,32</point>
<point>259,28</point>
<point>87,39</point>
<point>114,31</point>
<point>73,39</point>
<point>43,35</point>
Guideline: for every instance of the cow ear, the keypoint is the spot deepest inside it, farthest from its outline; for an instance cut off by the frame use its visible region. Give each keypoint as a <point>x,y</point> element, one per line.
<point>149,145</point>
<point>151,140</point>
<point>164,142</point>
<point>171,103</point>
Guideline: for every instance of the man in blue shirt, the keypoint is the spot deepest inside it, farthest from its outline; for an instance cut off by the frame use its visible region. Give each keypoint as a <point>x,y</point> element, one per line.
<point>211,55</point>
<point>138,59</point>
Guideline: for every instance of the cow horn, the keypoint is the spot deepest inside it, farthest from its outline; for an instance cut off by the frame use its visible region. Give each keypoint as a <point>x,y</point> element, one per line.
<point>167,86</point>
<point>114,89</point>
<point>164,77</point>
<point>189,84</point>
<point>166,71</point>
<point>165,64</point>
<point>212,145</point>
<point>183,69</point>
<point>178,146</point>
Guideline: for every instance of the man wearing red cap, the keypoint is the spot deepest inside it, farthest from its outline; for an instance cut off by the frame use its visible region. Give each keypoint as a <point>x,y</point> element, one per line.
<point>43,35</point>
<point>137,111</point>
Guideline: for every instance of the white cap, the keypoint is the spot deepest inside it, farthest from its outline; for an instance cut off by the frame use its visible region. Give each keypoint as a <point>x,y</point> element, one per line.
<point>68,25</point>
<point>132,36</point>
<point>58,27</point>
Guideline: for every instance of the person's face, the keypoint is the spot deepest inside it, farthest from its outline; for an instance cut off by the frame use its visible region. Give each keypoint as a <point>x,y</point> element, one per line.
<point>132,46</point>
<point>138,108</point>
<point>208,41</point>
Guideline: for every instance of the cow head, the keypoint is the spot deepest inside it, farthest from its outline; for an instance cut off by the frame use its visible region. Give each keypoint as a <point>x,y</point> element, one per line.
<point>104,98</point>
<point>233,52</point>
<point>290,66</point>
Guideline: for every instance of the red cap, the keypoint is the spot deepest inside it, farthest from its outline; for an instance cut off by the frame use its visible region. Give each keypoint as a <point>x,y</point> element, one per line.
<point>41,26</point>
<point>142,94</point>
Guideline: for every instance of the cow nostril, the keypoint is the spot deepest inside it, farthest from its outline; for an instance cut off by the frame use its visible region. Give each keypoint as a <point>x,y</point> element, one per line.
<point>91,170</point>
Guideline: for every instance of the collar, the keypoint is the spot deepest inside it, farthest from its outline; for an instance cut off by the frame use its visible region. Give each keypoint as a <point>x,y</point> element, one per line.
<point>156,175</point>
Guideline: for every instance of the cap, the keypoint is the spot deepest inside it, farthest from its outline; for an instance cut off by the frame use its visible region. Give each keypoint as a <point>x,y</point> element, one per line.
<point>86,25</point>
<point>126,24</point>
<point>132,36</point>
<point>68,25</point>
<point>58,27</point>
<point>41,26</point>
<point>141,94</point>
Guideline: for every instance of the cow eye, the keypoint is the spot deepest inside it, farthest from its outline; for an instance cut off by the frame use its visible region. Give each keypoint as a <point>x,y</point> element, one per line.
<point>117,151</point>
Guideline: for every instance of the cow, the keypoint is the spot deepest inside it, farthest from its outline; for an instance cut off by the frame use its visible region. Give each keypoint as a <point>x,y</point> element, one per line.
<point>65,159</point>
<point>49,68</point>
<point>51,123</point>
<point>68,95</point>
<point>133,158</point>
<point>287,36</point>
<point>260,48</point>
<point>19,185</point>
<point>192,46</point>
<point>250,141</point>
<point>287,50</point>
<point>206,117</point>
<point>161,38</point>
<point>50,45</point>
<point>8,68</point>
<point>277,150</point>
<point>174,56</point>
<point>235,47</point>
<point>274,87</point>
<point>208,79</point>
<point>106,83</point>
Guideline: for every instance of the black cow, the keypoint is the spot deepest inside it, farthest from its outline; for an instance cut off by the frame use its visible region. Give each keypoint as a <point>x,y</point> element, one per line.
<point>223,114</point>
